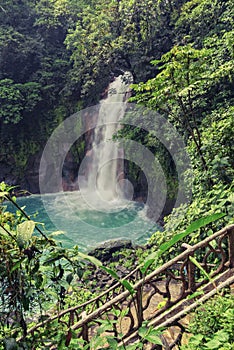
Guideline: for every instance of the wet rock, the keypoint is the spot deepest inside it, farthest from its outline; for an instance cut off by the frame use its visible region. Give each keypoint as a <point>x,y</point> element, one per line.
<point>6,174</point>
<point>104,251</point>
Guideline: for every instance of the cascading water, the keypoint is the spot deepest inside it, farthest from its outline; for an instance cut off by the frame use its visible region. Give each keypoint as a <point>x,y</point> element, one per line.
<point>98,211</point>
<point>106,165</point>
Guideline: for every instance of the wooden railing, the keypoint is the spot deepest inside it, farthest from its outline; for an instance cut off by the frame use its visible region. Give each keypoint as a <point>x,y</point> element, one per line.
<point>163,297</point>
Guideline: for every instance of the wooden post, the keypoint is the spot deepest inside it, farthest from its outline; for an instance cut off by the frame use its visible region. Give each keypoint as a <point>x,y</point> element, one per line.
<point>191,271</point>
<point>231,247</point>
<point>139,305</point>
<point>85,332</point>
<point>191,276</point>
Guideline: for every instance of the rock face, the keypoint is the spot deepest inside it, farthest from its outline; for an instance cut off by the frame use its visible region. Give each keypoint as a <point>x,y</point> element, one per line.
<point>7,173</point>
<point>104,251</point>
<point>28,180</point>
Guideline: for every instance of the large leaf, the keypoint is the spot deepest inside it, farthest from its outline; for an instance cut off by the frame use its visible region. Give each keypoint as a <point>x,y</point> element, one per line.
<point>192,227</point>
<point>196,339</point>
<point>147,263</point>
<point>153,338</point>
<point>213,344</point>
<point>3,194</point>
<point>128,286</point>
<point>142,331</point>
<point>92,259</point>
<point>25,230</point>
<point>179,236</point>
<point>111,272</point>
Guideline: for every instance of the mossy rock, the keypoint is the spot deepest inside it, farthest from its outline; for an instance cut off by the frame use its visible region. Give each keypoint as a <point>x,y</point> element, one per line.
<point>104,251</point>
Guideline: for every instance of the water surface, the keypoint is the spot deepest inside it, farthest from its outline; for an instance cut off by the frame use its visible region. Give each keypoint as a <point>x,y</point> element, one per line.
<point>85,224</point>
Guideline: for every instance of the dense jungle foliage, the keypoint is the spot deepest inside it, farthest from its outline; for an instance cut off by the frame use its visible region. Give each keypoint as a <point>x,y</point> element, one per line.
<point>57,57</point>
<point>41,282</point>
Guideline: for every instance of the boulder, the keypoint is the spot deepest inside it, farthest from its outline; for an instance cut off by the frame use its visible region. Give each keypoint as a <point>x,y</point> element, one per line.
<point>104,251</point>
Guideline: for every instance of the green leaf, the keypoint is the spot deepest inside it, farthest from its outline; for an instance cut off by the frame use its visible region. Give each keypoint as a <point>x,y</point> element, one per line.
<point>92,259</point>
<point>192,227</point>
<point>69,278</point>
<point>3,194</point>
<point>196,339</point>
<point>195,294</point>
<point>176,238</point>
<point>112,342</point>
<point>25,230</point>
<point>55,233</point>
<point>111,272</point>
<point>17,265</point>
<point>213,344</point>
<point>56,257</point>
<point>2,186</point>
<point>222,335</point>
<point>204,221</point>
<point>128,286</point>
<point>142,331</point>
<point>39,280</point>
<point>147,265</point>
<point>196,263</point>
<point>153,338</point>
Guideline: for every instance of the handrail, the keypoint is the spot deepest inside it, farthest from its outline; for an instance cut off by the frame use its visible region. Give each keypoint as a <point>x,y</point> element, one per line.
<point>158,283</point>
<point>160,269</point>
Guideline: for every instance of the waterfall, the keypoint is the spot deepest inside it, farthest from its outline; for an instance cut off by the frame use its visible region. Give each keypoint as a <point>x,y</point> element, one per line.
<point>106,169</point>
<point>103,208</point>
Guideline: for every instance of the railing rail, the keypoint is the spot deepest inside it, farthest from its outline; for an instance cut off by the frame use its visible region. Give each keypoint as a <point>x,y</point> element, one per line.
<point>168,287</point>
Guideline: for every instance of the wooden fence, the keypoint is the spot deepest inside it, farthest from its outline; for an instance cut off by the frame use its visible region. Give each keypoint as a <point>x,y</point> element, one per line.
<point>162,297</point>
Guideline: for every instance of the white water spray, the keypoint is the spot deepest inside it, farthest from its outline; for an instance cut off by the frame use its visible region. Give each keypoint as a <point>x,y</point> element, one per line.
<point>106,168</point>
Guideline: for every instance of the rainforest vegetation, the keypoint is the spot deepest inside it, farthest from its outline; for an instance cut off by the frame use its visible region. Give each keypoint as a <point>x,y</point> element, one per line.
<point>58,57</point>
